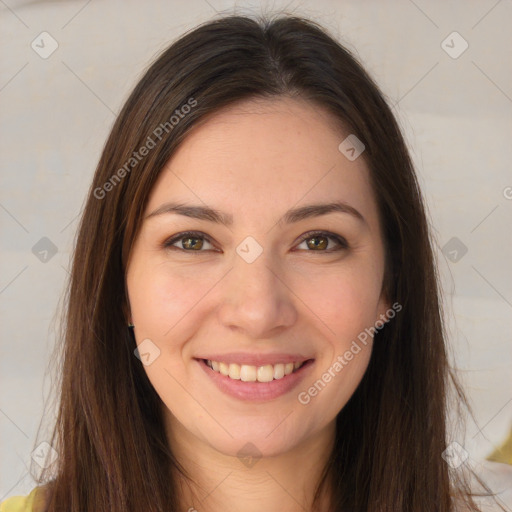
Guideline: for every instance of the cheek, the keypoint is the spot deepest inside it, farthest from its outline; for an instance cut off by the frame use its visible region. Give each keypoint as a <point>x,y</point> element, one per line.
<point>347,309</point>
<point>161,297</point>
<point>165,300</point>
<point>162,303</point>
<point>346,303</point>
<point>346,300</point>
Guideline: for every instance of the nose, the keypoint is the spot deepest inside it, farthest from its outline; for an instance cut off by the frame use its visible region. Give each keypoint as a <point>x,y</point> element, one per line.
<point>256,299</point>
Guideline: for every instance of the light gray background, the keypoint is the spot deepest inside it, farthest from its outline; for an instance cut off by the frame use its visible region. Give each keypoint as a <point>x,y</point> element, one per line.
<point>57,112</point>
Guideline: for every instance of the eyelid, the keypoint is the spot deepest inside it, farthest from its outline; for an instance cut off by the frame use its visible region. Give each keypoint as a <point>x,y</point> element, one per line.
<point>341,241</point>
<point>169,242</point>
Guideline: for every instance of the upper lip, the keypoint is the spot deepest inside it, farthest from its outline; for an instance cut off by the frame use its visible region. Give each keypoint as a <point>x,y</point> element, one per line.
<point>255,359</point>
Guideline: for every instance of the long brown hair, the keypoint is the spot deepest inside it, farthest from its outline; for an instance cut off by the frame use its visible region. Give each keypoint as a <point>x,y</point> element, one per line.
<point>109,433</point>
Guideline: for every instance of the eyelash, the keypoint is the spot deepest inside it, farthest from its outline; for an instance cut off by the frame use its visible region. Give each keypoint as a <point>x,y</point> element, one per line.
<point>341,242</point>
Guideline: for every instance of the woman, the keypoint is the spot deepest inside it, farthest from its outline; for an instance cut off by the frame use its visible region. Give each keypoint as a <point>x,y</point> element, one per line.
<point>296,360</point>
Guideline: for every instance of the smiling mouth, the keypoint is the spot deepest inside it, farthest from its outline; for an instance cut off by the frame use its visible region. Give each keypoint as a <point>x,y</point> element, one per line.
<point>250,373</point>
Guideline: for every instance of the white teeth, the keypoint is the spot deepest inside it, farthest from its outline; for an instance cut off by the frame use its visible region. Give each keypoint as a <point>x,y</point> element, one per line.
<point>266,373</point>
<point>250,373</point>
<point>278,371</point>
<point>223,368</point>
<point>234,371</point>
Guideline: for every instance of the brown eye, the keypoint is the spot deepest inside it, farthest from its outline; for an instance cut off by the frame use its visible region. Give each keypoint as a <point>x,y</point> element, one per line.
<point>318,241</point>
<point>190,242</point>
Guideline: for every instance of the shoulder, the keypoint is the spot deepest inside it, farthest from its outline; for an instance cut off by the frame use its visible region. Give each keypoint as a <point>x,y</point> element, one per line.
<point>19,503</point>
<point>33,502</point>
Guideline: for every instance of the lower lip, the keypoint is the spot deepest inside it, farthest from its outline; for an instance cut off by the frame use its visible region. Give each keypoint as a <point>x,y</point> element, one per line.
<point>257,391</point>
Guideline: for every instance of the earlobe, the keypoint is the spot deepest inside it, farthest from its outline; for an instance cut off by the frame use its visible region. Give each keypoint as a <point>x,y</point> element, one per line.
<point>384,312</point>
<point>387,312</point>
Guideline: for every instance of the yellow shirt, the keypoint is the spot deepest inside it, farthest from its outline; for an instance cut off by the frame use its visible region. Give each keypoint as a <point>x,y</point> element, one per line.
<point>504,452</point>
<point>33,502</point>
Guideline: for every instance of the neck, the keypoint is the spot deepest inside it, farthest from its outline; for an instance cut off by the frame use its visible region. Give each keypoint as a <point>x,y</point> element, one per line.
<point>223,483</point>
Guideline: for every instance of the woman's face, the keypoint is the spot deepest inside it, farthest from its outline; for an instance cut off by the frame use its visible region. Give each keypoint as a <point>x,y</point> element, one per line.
<point>254,291</point>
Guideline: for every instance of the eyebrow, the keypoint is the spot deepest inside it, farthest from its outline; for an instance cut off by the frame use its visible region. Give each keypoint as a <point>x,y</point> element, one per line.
<point>291,216</point>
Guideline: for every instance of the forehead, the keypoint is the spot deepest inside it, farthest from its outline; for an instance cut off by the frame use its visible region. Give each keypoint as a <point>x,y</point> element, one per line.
<point>263,157</point>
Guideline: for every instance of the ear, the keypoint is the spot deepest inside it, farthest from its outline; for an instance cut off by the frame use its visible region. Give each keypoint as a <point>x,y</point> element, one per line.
<point>383,308</point>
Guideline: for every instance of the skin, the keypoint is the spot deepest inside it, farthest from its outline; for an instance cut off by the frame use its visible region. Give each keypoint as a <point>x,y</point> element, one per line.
<point>256,160</point>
